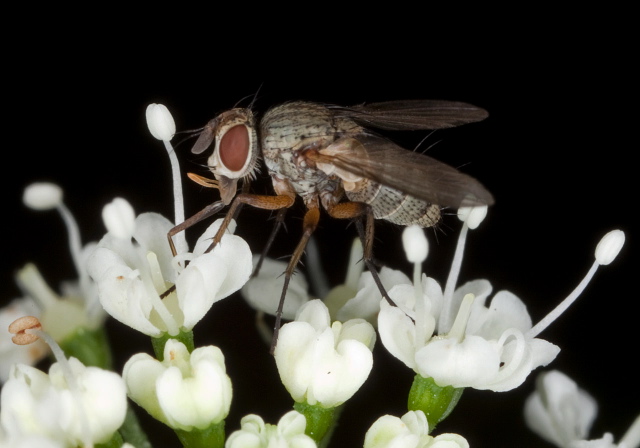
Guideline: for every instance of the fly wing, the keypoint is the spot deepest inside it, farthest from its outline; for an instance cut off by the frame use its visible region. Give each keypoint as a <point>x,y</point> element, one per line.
<point>408,115</point>
<point>421,176</point>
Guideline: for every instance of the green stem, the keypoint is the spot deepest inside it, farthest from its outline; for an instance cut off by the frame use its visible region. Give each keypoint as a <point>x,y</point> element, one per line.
<point>91,347</point>
<point>116,441</point>
<point>132,432</point>
<point>320,421</point>
<point>158,343</point>
<point>436,402</point>
<point>211,437</point>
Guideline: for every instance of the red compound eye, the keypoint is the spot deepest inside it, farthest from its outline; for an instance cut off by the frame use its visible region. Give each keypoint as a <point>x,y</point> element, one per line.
<point>234,147</point>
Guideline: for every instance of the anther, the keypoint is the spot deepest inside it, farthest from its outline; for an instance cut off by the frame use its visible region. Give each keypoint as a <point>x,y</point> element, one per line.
<point>19,328</point>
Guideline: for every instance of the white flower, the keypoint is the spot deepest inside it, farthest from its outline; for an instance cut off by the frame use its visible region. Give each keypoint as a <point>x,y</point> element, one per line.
<point>459,340</point>
<point>320,363</point>
<point>36,404</point>
<point>255,433</point>
<point>263,291</point>
<point>357,297</point>
<point>132,273</point>
<point>29,441</point>
<point>77,304</point>
<point>409,431</point>
<point>490,353</point>
<point>185,391</point>
<point>562,414</point>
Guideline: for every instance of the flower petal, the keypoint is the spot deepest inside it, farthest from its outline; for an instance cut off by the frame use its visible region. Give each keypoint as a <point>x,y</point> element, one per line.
<point>366,303</point>
<point>263,291</point>
<point>471,363</point>
<point>506,311</point>
<point>397,333</point>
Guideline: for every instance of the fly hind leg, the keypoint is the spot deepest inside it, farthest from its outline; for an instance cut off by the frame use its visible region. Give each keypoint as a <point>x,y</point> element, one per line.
<point>361,211</point>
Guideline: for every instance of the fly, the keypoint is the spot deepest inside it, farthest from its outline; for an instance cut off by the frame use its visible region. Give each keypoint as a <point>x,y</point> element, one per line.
<point>329,156</point>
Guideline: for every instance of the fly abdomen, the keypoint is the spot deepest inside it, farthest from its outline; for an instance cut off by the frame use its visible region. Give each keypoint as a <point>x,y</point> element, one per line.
<point>394,206</point>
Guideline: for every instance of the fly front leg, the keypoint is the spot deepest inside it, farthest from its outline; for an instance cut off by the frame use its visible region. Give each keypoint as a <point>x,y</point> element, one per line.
<point>309,225</point>
<point>255,200</point>
<point>206,212</point>
<point>361,211</point>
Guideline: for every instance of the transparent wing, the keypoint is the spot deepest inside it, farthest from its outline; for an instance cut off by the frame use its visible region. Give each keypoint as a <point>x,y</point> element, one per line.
<point>421,176</point>
<point>412,114</point>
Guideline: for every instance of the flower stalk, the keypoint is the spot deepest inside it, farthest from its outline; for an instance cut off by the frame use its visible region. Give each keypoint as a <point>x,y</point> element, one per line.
<point>435,401</point>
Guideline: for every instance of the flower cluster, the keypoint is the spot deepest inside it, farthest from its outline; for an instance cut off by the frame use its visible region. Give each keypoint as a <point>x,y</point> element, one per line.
<point>452,337</point>
<point>562,414</point>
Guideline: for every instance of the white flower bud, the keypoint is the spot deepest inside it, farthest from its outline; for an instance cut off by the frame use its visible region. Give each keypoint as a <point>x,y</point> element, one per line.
<point>119,218</point>
<point>186,390</point>
<point>42,196</point>
<point>255,433</point>
<point>412,430</point>
<point>160,122</point>
<point>609,247</point>
<point>473,216</point>
<point>415,244</point>
<point>320,363</point>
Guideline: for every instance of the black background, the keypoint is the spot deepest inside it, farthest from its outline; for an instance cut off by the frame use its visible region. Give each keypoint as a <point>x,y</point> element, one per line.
<point>556,152</point>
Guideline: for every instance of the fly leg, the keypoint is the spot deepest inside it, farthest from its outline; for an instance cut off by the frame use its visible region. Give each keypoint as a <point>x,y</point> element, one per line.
<point>206,212</point>
<point>265,202</point>
<point>279,222</point>
<point>309,225</point>
<point>259,201</point>
<point>362,212</point>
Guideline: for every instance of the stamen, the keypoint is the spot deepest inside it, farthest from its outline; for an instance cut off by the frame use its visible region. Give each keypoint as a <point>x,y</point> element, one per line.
<point>75,246</point>
<point>317,277</point>
<point>42,196</point>
<point>606,251</point>
<point>454,273</point>
<point>562,307</point>
<point>178,199</point>
<point>119,218</point>
<point>18,328</point>
<point>471,218</point>
<point>33,285</point>
<point>355,266</point>
<point>631,438</point>
<point>29,328</point>
<point>416,248</point>
<point>160,286</point>
<point>460,324</point>
<point>609,247</point>
<point>163,127</point>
